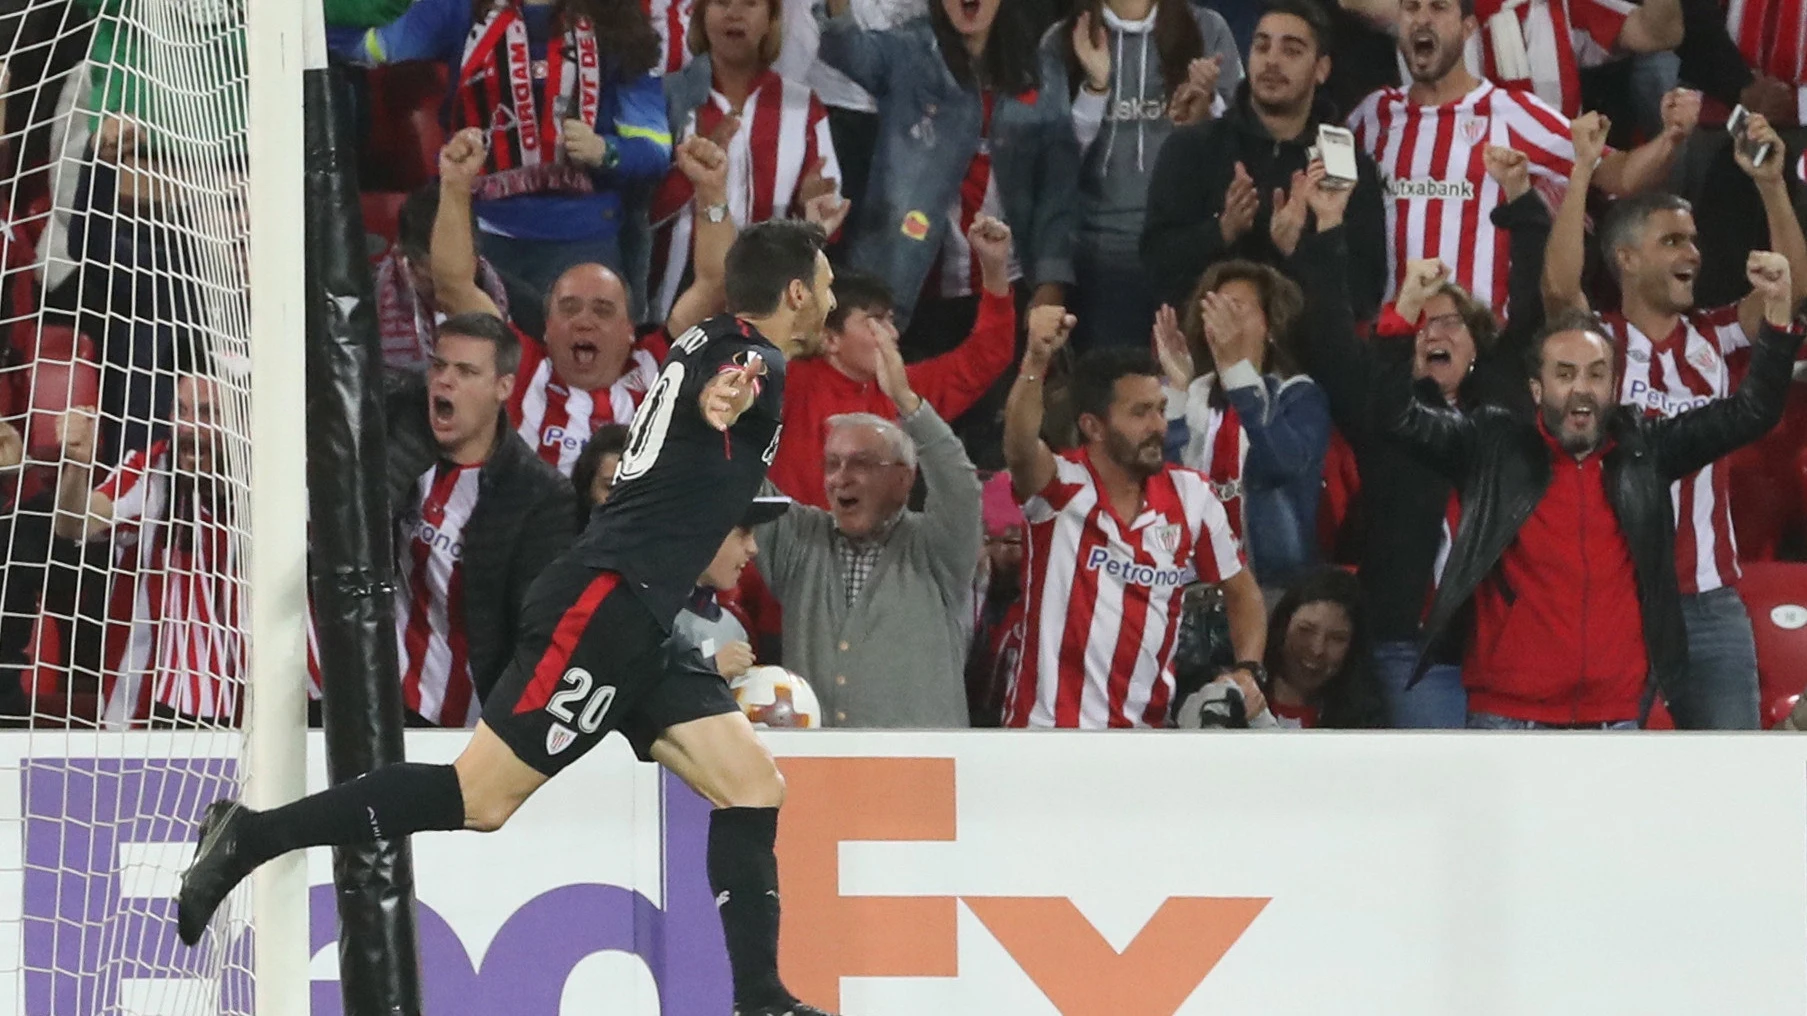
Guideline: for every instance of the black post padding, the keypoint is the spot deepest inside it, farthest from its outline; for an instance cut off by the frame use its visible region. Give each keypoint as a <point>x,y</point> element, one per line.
<point>352,557</point>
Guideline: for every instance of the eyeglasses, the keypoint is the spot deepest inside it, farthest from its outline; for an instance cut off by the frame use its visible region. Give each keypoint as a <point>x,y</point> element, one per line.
<point>857,464</point>
<point>1445,323</point>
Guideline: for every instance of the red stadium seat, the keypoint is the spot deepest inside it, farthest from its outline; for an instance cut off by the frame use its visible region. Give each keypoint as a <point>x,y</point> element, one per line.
<point>61,372</point>
<point>381,209</point>
<point>1776,595</point>
<point>401,151</point>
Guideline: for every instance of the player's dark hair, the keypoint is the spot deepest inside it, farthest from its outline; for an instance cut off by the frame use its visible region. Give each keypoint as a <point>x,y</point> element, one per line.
<point>1314,17</point>
<point>1572,320</point>
<point>491,329</point>
<point>858,291</point>
<point>1095,377</point>
<point>608,439</point>
<point>765,259</point>
<point>1624,222</point>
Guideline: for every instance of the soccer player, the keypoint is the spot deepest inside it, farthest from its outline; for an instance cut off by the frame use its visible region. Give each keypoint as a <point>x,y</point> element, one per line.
<point>591,656</point>
<point>1672,357</point>
<point>1430,142</point>
<point>1115,537</point>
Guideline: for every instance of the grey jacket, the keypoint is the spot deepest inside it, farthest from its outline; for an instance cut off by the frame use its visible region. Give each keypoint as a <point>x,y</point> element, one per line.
<point>1118,152</point>
<point>896,656</point>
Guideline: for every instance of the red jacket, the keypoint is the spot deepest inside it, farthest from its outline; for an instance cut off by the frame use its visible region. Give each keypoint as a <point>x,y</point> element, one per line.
<point>1559,632</point>
<point>814,391</point>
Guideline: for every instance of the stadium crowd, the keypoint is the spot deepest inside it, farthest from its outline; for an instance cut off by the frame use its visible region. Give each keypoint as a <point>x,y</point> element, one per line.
<point>1145,401</point>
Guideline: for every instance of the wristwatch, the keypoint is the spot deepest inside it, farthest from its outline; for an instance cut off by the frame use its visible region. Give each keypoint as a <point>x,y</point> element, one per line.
<point>1254,668</point>
<point>717,212</point>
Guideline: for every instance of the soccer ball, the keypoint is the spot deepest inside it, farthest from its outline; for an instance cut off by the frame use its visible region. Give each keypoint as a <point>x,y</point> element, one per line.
<point>775,697</point>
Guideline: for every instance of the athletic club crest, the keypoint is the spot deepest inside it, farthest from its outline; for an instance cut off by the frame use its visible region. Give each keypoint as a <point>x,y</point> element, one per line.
<point>1473,129</point>
<point>558,738</point>
<point>1704,359</point>
<point>1165,539</point>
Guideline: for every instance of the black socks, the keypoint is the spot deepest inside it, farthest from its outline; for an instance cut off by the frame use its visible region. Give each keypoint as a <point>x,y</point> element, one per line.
<point>743,875</point>
<point>385,804</point>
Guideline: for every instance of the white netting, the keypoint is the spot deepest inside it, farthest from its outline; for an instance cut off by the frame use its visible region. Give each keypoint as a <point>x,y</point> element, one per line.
<point>122,602</point>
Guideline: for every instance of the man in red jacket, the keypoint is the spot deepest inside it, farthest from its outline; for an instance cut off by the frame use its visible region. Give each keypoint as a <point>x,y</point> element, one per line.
<point>842,379</point>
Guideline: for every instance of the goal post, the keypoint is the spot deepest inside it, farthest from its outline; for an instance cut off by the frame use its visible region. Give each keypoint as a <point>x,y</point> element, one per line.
<point>283,39</point>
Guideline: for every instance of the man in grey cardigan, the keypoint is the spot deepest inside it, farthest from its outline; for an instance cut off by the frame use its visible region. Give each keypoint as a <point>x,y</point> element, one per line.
<point>875,595</point>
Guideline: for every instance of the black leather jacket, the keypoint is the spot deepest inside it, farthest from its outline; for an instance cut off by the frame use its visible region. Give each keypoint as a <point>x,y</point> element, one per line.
<point>1501,464</point>
<point>526,515</point>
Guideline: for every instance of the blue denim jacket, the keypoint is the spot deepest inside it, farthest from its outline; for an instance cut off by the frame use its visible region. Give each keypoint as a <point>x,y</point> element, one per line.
<point>1288,427</point>
<point>928,135</point>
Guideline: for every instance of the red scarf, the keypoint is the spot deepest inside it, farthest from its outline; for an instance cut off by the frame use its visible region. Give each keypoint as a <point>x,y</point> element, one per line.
<point>1228,447</point>
<point>503,90</point>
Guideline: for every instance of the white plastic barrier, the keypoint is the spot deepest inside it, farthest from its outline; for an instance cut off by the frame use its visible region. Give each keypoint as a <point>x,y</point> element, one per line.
<point>1032,874</point>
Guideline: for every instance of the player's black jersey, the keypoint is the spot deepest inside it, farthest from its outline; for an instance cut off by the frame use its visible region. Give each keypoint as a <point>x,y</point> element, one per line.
<point>682,485</point>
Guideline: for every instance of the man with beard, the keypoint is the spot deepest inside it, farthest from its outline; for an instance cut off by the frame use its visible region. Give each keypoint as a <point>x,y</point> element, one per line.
<point>1429,141</point>
<point>592,655</point>
<point>170,517</point>
<point>1565,555</point>
<point>1115,536</point>
<point>1675,357</point>
<point>1230,187</point>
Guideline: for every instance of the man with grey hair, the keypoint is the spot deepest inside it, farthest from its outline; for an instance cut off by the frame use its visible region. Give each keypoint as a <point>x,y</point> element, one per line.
<point>875,595</point>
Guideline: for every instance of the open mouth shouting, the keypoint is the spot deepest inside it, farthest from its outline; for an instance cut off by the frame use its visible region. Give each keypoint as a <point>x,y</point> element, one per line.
<point>584,353</point>
<point>1422,45</point>
<point>442,412</point>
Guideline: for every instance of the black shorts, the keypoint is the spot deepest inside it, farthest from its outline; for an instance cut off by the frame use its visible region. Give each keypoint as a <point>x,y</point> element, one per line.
<point>590,659</point>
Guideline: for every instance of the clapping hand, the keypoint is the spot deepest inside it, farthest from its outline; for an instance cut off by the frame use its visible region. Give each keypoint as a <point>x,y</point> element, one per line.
<point>1240,202</point>
<point>1171,349</point>
<point>1287,223</point>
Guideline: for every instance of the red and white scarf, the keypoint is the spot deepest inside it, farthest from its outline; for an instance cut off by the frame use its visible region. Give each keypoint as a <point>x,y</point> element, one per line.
<point>500,87</point>
<point>407,321</point>
<point>1227,444</point>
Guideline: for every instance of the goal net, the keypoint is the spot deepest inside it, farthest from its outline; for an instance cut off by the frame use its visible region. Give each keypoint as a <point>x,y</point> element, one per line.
<point>125,393</point>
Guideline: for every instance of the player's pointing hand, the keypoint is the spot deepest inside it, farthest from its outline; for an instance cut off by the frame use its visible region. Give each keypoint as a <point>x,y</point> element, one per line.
<point>731,393</point>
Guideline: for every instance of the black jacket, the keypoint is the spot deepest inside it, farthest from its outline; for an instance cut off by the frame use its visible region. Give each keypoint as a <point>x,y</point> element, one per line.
<point>1501,463</point>
<point>526,515</point>
<point>1403,501</point>
<point>1180,235</point>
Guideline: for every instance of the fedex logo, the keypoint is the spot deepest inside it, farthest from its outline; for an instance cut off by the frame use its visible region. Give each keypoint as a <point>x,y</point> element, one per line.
<point>829,935</point>
<point>1639,393</point>
<point>559,437</point>
<point>1125,570</point>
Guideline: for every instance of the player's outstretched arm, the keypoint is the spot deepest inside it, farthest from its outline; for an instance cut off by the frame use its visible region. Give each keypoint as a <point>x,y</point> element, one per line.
<point>1031,463</point>
<point>454,253</point>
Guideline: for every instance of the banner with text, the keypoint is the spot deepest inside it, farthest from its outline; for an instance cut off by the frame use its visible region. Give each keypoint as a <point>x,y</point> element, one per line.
<point>1028,874</point>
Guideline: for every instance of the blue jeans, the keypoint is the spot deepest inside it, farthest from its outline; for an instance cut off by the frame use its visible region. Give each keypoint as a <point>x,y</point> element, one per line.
<point>1489,721</point>
<point>539,263</point>
<point>1112,301</point>
<point>1721,692</point>
<point>1438,701</point>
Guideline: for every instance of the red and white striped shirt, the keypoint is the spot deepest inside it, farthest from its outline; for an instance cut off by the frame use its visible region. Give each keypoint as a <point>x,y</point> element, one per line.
<point>783,132</point>
<point>429,597</point>
<point>958,273</point>
<point>1772,35</point>
<point>1703,359</point>
<point>1559,37</point>
<point>180,597</point>
<point>671,20</point>
<point>557,420</point>
<point>1439,198</point>
<point>1102,598</point>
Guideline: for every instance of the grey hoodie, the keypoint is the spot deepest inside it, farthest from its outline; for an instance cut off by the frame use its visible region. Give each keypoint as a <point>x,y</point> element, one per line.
<point>1121,133</point>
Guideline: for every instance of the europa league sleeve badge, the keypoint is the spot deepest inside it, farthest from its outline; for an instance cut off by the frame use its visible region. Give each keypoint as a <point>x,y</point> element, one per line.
<point>916,225</point>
